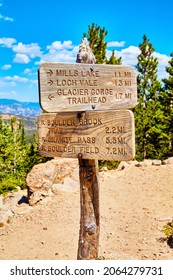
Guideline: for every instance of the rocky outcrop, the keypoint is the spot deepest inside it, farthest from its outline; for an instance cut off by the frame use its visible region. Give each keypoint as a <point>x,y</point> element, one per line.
<point>168,161</point>
<point>85,54</point>
<point>46,178</point>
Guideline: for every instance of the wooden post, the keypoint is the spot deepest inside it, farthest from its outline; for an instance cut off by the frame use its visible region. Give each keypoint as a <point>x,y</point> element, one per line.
<point>89,188</point>
<point>89,201</point>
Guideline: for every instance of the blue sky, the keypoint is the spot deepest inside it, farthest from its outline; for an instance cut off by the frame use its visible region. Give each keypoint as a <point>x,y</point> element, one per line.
<point>33,31</point>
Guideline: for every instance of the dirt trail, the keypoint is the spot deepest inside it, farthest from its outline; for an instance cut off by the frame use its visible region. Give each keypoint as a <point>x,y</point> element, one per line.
<point>134,205</point>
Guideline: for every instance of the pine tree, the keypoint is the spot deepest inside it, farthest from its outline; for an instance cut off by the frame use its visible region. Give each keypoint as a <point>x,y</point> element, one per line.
<point>168,82</point>
<point>17,157</point>
<point>96,36</point>
<point>33,154</point>
<point>113,59</point>
<point>149,119</point>
<point>147,67</point>
<point>167,100</point>
<point>5,138</point>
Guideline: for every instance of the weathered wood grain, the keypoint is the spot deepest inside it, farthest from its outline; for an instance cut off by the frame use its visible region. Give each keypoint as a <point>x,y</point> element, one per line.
<point>82,87</point>
<point>87,135</point>
<point>89,203</point>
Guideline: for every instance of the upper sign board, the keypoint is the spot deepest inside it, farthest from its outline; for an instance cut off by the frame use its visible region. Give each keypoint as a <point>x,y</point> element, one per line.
<point>86,87</point>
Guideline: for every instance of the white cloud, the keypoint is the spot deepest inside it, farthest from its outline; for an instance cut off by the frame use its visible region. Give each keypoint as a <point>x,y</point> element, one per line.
<point>57,45</point>
<point>32,50</point>
<point>162,73</point>
<point>16,79</point>
<point>63,56</point>
<point>7,42</point>
<point>27,71</point>
<point>60,52</point>
<point>21,58</point>
<point>6,67</point>
<point>35,82</point>
<point>129,55</point>
<point>5,84</point>
<point>131,50</point>
<point>26,52</point>
<point>6,18</point>
<point>162,58</point>
<point>116,44</point>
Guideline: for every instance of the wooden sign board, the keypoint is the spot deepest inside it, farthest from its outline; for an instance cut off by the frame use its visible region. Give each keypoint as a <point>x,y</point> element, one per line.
<point>87,135</point>
<point>83,87</point>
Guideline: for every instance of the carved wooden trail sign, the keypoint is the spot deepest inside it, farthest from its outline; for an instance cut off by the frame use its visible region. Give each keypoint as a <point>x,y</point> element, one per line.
<point>88,119</point>
<point>87,135</point>
<point>81,87</point>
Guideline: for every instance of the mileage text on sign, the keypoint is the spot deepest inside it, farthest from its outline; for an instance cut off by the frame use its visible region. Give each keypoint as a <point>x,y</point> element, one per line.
<point>88,135</point>
<point>83,87</point>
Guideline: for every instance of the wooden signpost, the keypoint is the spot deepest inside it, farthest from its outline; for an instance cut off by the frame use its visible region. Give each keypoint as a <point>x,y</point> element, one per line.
<point>86,119</point>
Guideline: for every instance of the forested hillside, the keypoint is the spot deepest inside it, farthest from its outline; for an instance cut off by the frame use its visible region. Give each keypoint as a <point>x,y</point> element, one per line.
<point>17,154</point>
<point>30,125</point>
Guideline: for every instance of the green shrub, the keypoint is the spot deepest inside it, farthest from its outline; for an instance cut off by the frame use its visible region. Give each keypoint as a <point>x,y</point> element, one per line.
<point>110,164</point>
<point>168,230</point>
<point>10,183</point>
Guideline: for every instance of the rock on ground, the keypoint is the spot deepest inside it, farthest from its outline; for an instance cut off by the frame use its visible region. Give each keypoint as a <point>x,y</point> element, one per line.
<point>43,177</point>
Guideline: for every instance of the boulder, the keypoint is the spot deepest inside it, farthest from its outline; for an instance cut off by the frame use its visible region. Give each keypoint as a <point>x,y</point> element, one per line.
<point>148,162</point>
<point>104,168</point>
<point>43,176</point>
<point>69,185</point>
<point>12,198</point>
<point>123,165</point>
<point>22,209</point>
<point>156,162</point>
<point>168,161</point>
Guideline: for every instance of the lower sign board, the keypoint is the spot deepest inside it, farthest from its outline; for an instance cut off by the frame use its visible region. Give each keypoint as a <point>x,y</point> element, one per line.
<point>87,135</point>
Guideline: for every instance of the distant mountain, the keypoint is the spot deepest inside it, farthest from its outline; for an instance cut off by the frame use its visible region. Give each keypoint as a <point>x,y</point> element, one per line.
<point>24,109</point>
